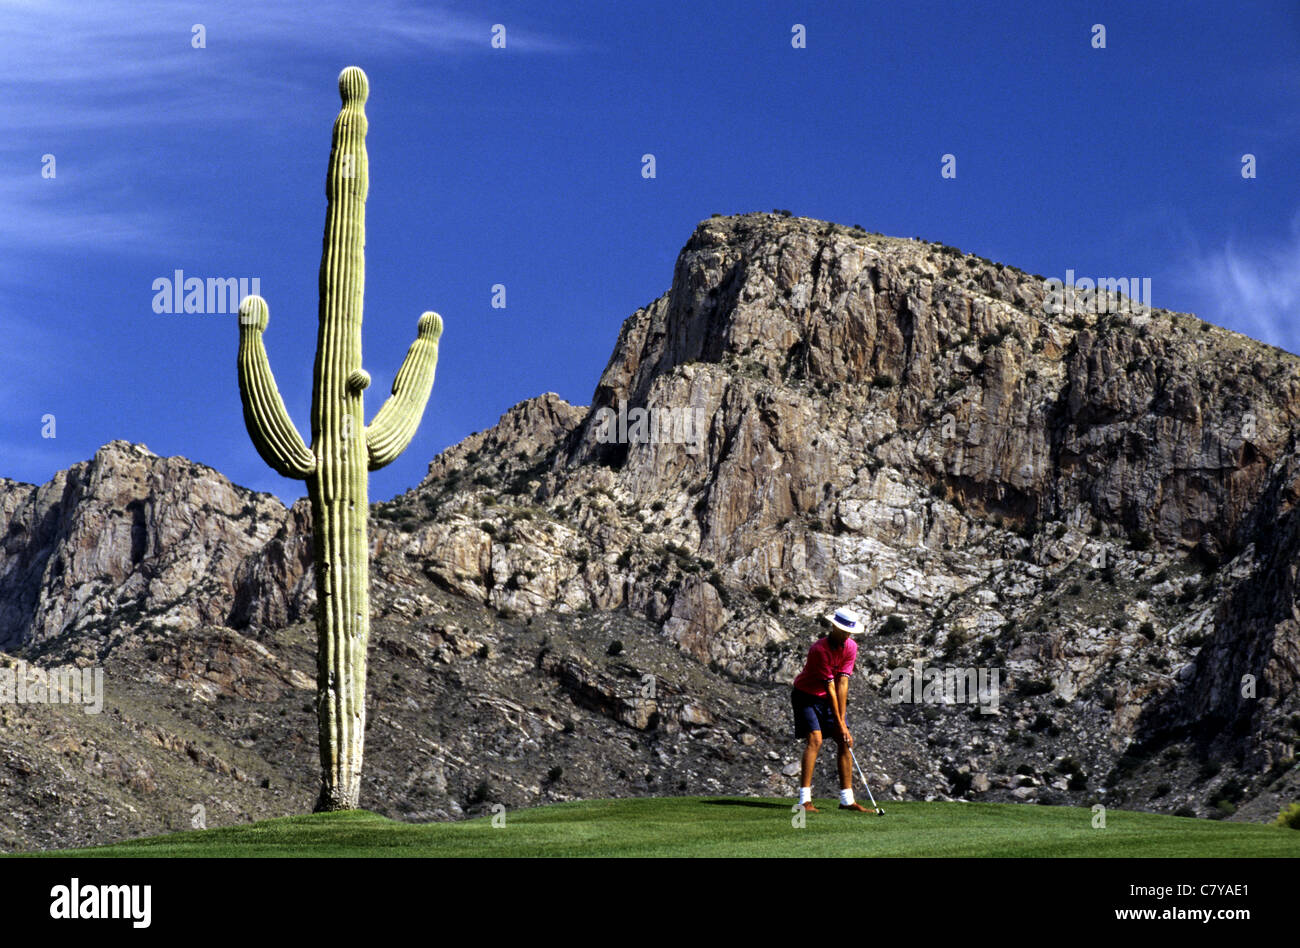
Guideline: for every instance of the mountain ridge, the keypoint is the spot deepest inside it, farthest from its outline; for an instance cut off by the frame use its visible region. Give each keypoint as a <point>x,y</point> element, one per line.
<point>879,421</point>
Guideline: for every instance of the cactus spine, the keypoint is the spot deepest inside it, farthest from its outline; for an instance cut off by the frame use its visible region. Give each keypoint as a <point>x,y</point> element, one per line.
<point>343,448</point>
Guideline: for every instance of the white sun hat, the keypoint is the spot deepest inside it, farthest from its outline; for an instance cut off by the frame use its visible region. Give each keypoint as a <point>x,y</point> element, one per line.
<point>848,620</point>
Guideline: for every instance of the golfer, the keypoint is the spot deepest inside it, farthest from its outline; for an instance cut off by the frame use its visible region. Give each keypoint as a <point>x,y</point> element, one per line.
<point>820,697</point>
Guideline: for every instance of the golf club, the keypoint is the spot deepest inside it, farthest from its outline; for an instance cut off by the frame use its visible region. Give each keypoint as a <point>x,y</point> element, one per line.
<point>879,811</point>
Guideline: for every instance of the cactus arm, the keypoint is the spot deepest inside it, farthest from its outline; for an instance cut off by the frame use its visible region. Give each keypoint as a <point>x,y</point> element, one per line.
<point>394,425</point>
<point>273,433</point>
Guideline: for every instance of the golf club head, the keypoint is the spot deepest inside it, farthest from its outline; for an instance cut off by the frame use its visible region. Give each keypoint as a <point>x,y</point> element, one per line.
<point>874,805</point>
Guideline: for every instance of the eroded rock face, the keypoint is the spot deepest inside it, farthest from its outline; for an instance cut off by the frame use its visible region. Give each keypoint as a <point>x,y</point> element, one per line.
<point>121,535</point>
<point>822,361</point>
<point>276,586</point>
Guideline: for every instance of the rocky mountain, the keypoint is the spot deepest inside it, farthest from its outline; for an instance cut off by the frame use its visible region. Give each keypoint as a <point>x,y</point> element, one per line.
<point>1100,506</point>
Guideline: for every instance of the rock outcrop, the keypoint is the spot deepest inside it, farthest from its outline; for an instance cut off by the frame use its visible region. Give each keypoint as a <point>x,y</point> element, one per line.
<point>120,536</point>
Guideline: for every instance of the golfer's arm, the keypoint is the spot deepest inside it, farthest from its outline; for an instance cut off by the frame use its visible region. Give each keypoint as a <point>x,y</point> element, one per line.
<point>837,702</point>
<point>842,686</point>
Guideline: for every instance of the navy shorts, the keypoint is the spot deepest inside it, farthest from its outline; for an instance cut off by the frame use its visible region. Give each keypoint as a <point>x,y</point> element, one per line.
<point>812,714</point>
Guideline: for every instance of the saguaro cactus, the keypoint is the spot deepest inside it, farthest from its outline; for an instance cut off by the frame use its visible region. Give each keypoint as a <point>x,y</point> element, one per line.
<point>343,448</point>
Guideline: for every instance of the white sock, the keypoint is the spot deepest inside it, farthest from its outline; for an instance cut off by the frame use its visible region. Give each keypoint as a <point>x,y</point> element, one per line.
<point>846,798</point>
<point>805,795</point>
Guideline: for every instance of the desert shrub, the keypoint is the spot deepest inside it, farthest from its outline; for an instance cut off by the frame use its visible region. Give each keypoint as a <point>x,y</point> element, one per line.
<point>959,782</point>
<point>894,625</point>
<point>1231,792</point>
<point>953,643</point>
<point>1290,817</point>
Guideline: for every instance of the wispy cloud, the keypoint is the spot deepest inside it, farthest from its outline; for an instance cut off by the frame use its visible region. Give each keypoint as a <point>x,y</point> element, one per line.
<point>101,85</point>
<point>1255,287</point>
<point>83,208</point>
<point>72,70</point>
<point>70,64</point>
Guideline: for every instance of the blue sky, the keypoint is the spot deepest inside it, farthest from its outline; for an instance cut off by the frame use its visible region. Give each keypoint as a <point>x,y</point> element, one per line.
<point>522,166</point>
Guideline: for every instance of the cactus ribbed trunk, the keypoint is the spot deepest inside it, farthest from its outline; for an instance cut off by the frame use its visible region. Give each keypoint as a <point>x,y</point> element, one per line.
<point>338,487</point>
<point>344,449</point>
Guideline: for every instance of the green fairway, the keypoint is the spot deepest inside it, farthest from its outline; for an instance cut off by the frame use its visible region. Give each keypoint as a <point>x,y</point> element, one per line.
<point>729,826</point>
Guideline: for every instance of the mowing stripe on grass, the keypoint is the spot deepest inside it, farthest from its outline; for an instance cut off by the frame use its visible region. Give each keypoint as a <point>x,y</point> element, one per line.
<point>728,826</point>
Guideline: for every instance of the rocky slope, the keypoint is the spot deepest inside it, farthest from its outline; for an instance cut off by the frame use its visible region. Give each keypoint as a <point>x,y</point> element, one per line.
<point>1099,506</point>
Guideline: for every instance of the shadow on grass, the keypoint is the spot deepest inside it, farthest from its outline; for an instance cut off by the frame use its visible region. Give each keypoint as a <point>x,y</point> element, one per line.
<point>762,804</point>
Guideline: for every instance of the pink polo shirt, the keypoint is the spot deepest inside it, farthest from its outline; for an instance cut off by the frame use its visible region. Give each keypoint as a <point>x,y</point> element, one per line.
<point>824,664</point>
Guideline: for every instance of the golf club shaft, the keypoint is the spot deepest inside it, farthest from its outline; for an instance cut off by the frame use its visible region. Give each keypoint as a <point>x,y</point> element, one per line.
<point>864,779</point>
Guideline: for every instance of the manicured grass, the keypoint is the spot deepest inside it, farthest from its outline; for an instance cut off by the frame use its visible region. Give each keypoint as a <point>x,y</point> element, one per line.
<point>730,826</point>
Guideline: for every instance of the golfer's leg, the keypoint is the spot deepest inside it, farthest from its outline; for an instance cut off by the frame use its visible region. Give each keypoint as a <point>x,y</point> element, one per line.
<point>809,758</point>
<point>847,802</point>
